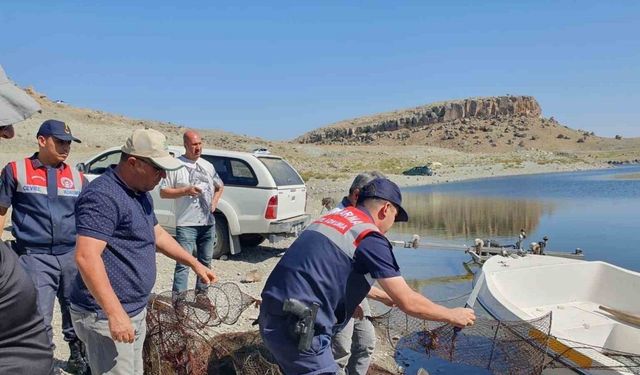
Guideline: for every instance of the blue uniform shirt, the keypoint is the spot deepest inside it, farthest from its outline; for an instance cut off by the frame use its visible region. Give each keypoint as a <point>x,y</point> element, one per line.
<point>110,211</point>
<point>42,222</point>
<point>315,270</point>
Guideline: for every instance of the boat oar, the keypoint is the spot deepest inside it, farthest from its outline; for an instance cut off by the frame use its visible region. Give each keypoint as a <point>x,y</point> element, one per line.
<point>625,316</point>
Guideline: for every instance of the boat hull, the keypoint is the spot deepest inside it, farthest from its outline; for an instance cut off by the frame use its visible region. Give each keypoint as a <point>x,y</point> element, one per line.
<point>528,287</point>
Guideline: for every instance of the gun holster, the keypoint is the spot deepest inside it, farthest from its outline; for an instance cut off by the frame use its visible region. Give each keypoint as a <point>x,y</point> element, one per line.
<point>302,324</point>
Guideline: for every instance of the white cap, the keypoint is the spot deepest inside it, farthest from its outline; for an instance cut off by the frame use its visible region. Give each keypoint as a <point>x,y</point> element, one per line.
<point>151,144</point>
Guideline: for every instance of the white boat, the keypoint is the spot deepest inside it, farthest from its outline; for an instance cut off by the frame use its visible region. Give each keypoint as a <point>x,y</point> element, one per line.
<point>574,292</point>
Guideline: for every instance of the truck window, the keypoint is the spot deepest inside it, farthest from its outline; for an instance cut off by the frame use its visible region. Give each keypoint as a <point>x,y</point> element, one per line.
<point>233,171</point>
<point>283,174</point>
<point>100,165</point>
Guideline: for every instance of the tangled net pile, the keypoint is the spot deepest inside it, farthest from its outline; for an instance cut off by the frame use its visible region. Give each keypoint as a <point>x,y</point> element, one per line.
<point>178,337</point>
<point>516,347</point>
<point>180,340</point>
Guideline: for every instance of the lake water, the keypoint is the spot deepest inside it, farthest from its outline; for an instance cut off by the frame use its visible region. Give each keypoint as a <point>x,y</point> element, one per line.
<point>597,211</point>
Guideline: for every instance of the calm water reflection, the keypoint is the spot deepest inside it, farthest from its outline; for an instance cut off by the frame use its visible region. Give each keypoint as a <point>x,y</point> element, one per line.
<point>457,216</point>
<point>594,210</point>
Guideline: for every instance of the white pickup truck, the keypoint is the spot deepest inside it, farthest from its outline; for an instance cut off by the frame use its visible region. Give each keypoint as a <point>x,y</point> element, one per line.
<point>264,197</point>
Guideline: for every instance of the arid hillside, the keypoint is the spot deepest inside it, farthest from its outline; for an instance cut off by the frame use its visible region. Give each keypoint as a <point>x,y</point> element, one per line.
<point>99,130</point>
<point>480,137</point>
<point>491,124</point>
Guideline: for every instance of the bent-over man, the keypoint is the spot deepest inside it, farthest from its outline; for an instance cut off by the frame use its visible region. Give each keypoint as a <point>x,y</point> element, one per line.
<point>118,235</point>
<point>327,272</point>
<point>354,345</point>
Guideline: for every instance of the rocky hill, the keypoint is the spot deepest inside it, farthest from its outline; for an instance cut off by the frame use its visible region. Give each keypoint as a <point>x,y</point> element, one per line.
<point>478,108</point>
<point>502,131</point>
<point>489,124</point>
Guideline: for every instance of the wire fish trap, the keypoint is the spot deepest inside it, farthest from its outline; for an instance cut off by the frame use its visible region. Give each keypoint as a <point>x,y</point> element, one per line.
<point>245,354</point>
<point>502,347</point>
<point>565,353</point>
<point>218,304</point>
<point>177,340</point>
<point>241,353</point>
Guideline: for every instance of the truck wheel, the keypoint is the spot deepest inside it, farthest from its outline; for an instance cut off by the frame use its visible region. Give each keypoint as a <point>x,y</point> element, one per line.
<point>251,239</point>
<point>221,243</point>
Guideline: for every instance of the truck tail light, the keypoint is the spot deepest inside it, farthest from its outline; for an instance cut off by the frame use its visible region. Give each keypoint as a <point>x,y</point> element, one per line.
<point>272,208</point>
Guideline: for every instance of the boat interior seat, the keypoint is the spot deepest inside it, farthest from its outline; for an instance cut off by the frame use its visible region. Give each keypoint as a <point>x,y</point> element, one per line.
<point>585,322</point>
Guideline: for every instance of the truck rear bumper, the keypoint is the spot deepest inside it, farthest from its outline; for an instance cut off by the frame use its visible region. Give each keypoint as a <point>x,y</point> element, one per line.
<point>290,227</point>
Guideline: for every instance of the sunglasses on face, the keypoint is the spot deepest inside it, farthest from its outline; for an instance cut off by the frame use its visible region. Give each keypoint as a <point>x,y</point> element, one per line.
<point>149,162</point>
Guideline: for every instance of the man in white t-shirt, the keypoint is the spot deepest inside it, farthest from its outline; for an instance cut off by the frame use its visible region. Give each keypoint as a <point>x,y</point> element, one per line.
<point>197,188</point>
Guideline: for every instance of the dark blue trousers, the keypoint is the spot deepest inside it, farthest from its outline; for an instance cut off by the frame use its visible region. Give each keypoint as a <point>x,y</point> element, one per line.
<point>274,330</point>
<point>53,276</point>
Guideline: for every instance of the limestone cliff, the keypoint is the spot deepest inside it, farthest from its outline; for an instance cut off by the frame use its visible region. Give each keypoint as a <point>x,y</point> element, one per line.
<point>362,129</point>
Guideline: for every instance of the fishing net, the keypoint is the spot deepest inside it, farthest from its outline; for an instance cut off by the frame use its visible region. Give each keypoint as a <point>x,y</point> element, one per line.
<point>565,353</point>
<point>181,337</point>
<point>178,337</point>
<point>244,353</point>
<point>241,353</point>
<point>503,347</point>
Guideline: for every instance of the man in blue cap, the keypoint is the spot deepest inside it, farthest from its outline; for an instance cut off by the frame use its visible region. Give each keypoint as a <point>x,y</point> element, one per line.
<point>43,189</point>
<point>24,346</point>
<point>315,288</point>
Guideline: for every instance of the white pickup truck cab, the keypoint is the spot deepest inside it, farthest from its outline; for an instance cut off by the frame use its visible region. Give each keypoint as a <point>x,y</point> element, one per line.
<point>264,197</point>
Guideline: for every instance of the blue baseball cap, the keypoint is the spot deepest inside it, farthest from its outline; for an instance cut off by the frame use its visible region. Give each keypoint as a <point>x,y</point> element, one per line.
<point>56,129</point>
<point>383,188</point>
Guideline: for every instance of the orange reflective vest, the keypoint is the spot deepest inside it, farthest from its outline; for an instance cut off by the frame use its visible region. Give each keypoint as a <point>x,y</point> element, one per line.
<point>43,206</point>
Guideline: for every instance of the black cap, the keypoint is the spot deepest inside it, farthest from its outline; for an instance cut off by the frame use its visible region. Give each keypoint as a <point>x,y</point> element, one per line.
<point>57,129</point>
<point>383,188</point>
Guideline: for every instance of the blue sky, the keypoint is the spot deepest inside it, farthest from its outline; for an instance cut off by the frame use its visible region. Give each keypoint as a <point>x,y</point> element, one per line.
<point>278,69</point>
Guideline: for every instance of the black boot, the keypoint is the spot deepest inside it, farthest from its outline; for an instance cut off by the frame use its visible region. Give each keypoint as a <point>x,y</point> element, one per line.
<point>77,363</point>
